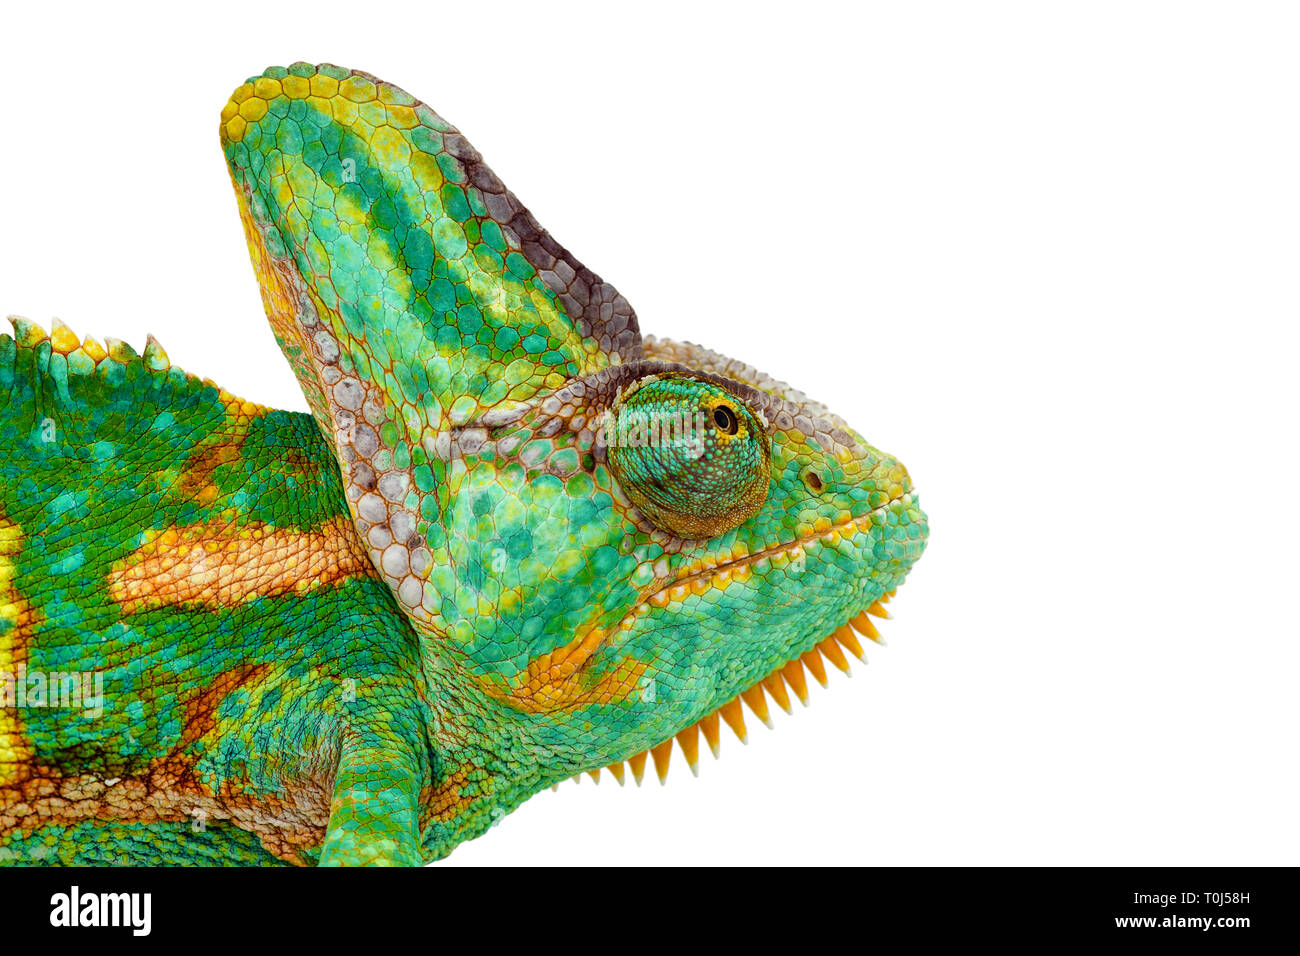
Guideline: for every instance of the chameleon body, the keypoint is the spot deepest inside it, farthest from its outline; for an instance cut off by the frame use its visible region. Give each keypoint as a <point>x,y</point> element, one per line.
<point>512,541</point>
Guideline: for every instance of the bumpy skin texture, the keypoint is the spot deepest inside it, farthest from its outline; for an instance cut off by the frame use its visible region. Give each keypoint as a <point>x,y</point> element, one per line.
<point>365,634</point>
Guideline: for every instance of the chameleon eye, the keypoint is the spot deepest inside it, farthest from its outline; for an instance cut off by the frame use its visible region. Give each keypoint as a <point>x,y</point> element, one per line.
<point>725,419</point>
<point>686,478</point>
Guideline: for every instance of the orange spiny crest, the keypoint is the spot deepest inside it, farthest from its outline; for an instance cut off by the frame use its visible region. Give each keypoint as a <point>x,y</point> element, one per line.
<point>788,676</point>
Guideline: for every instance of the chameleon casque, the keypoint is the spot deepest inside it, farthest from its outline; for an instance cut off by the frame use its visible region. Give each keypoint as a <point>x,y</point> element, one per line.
<point>512,542</point>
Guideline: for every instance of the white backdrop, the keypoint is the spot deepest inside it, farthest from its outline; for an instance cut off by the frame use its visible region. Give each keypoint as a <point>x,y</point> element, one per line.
<point>1044,253</point>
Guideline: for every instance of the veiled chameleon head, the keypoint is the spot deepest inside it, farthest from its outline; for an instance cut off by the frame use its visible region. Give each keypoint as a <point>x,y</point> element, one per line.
<point>601,540</point>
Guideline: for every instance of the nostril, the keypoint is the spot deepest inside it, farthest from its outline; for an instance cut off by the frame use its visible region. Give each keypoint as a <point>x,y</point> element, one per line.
<point>813,481</point>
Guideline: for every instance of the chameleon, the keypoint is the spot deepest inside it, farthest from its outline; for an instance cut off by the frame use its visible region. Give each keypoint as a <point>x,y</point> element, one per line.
<point>511,542</point>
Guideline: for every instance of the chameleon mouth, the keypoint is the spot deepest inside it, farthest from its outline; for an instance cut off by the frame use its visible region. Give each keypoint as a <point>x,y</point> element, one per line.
<point>788,677</point>
<point>697,580</point>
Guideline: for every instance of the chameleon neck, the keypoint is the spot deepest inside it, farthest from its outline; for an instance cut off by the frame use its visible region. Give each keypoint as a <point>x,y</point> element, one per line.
<point>483,767</point>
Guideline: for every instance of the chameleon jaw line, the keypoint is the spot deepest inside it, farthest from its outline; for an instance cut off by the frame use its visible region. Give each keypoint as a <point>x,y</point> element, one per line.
<point>721,575</point>
<point>787,677</point>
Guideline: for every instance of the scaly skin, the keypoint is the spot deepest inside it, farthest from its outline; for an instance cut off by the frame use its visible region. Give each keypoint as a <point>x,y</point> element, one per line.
<point>364,634</point>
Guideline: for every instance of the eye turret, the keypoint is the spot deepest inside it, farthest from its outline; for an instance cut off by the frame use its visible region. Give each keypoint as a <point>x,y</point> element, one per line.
<point>689,453</point>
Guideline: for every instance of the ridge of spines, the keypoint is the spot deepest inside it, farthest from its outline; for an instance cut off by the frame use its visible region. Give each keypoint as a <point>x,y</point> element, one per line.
<point>31,335</point>
<point>83,357</point>
<point>789,676</point>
